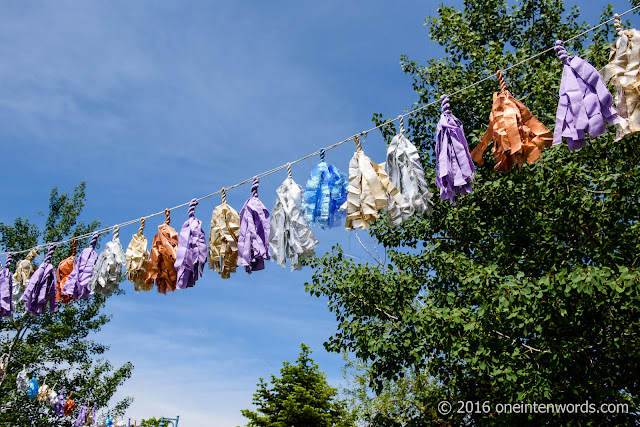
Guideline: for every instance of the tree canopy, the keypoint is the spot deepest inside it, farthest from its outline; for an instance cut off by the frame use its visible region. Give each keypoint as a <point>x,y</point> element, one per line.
<point>301,396</point>
<point>527,290</point>
<point>56,346</point>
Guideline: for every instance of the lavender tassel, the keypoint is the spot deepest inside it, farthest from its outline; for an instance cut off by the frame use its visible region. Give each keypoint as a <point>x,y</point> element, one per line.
<point>585,102</point>
<point>253,243</point>
<point>42,287</point>
<point>77,285</point>
<point>454,166</point>
<point>191,255</point>
<point>6,289</point>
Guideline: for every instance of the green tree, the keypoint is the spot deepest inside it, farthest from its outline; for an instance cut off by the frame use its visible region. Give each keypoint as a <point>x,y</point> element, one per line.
<point>300,397</point>
<point>528,289</point>
<point>150,422</point>
<point>58,346</point>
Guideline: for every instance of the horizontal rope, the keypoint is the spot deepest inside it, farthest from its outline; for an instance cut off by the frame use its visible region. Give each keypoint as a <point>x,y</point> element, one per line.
<point>320,151</point>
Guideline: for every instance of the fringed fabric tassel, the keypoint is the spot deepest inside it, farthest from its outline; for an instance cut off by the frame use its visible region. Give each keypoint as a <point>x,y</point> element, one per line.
<point>369,190</point>
<point>24,271</point>
<point>42,287</point>
<point>69,405</point>
<point>585,103</point>
<point>6,289</point>
<point>32,390</point>
<point>325,192</point>
<point>138,260</point>
<point>22,381</point>
<point>43,393</point>
<point>77,284</point>
<point>622,72</point>
<point>191,255</point>
<point>517,135</point>
<point>407,175</point>
<point>290,235</point>
<point>58,407</point>
<point>223,239</point>
<point>108,271</point>
<point>63,272</point>
<point>253,243</point>
<point>163,257</point>
<point>454,166</point>
<point>82,414</point>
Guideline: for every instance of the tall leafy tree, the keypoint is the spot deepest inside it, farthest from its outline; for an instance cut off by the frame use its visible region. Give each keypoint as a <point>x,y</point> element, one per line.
<point>59,346</point>
<point>301,396</point>
<point>528,289</point>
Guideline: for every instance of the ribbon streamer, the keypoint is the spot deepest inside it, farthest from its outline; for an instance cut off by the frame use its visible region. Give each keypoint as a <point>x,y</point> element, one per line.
<point>291,237</point>
<point>369,190</point>
<point>77,285</point>
<point>163,257</point>
<point>454,166</point>
<point>253,243</point>
<point>24,271</point>
<point>407,175</point>
<point>517,135</point>
<point>223,239</point>
<point>191,255</point>
<point>6,290</point>
<point>622,72</point>
<point>137,260</point>
<point>109,267</point>
<point>65,268</point>
<point>42,287</point>
<point>585,102</point>
<point>325,192</point>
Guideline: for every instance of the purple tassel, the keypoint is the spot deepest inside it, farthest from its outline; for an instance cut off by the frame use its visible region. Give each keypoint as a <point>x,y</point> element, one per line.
<point>82,415</point>
<point>58,408</point>
<point>191,255</point>
<point>585,102</point>
<point>77,285</point>
<point>6,289</point>
<point>42,287</point>
<point>253,243</point>
<point>454,166</point>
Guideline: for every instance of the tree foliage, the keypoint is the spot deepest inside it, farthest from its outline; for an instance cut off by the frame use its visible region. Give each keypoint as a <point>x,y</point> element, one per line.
<point>301,396</point>
<point>58,346</point>
<point>528,289</point>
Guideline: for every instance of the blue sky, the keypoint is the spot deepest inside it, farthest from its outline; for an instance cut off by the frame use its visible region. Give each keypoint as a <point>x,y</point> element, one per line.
<point>153,103</point>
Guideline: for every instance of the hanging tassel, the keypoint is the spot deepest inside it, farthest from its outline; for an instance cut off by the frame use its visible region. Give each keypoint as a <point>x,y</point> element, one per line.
<point>137,260</point>
<point>6,289</point>
<point>22,381</point>
<point>369,190</point>
<point>77,284</point>
<point>52,398</point>
<point>65,268</point>
<point>69,405</point>
<point>24,271</point>
<point>163,257</point>
<point>191,255</point>
<point>622,72</point>
<point>407,175</point>
<point>82,414</point>
<point>42,287</point>
<point>32,390</point>
<point>517,135</point>
<point>109,268</point>
<point>290,235</point>
<point>223,239</point>
<point>253,246</point>
<point>585,102</point>
<point>58,407</point>
<point>43,393</point>
<point>325,192</point>
<point>454,167</point>
<point>91,416</point>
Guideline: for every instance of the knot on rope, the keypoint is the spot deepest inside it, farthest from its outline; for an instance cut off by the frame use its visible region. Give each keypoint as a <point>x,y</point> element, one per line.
<point>7,263</point>
<point>357,141</point>
<point>401,124</point>
<point>445,108</point>
<point>192,208</point>
<point>289,170</point>
<point>32,254</point>
<point>322,154</point>
<point>94,240</point>
<point>617,22</point>
<point>141,229</point>
<point>223,196</point>
<point>167,216</point>
<point>52,249</point>
<point>503,84</point>
<point>254,186</point>
<point>116,232</point>
<point>561,51</point>
<point>74,246</point>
